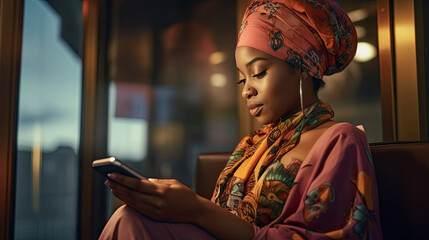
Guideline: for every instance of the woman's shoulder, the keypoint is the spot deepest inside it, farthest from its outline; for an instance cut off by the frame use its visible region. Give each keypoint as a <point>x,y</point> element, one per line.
<point>324,137</point>
<point>343,136</point>
<point>343,130</point>
<point>335,138</point>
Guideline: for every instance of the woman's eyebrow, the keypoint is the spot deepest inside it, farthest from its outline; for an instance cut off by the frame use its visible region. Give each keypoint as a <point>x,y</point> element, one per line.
<point>254,60</point>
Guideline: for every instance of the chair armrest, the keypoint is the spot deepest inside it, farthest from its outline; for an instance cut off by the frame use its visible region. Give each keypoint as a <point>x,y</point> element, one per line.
<point>209,166</point>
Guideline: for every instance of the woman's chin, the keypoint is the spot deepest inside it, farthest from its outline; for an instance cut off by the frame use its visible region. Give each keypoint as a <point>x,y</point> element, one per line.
<point>263,121</point>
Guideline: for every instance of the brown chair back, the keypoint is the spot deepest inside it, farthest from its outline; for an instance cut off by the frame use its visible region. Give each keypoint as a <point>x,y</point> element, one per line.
<point>402,170</point>
<point>209,166</point>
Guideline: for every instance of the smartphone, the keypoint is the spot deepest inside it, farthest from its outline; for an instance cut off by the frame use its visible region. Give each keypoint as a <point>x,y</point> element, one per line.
<point>111,165</point>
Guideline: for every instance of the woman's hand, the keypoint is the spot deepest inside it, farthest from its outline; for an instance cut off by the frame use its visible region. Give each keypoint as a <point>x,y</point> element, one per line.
<point>170,201</point>
<point>161,199</point>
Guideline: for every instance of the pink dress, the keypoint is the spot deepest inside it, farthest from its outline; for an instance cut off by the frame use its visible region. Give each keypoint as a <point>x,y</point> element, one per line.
<point>334,196</point>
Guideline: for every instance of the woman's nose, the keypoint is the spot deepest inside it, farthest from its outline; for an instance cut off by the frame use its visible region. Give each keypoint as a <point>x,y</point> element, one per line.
<point>248,91</point>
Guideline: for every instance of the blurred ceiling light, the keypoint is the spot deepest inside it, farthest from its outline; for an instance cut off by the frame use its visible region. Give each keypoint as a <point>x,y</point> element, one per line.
<point>365,52</point>
<point>218,80</point>
<point>217,57</point>
<point>358,15</point>
<point>361,31</point>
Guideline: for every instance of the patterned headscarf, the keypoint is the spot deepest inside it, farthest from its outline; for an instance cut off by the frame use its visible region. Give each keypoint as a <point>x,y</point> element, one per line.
<point>315,36</point>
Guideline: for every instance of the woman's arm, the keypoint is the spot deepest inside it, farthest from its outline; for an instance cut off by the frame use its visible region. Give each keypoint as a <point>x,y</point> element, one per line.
<point>335,192</point>
<point>223,224</point>
<point>171,201</point>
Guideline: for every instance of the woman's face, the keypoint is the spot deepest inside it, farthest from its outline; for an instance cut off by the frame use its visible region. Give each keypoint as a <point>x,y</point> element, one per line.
<point>270,85</point>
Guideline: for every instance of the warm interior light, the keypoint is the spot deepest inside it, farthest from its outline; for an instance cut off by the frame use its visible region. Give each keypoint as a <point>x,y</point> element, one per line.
<point>218,80</point>
<point>365,52</point>
<point>217,57</point>
<point>85,8</point>
<point>36,162</point>
<point>358,15</point>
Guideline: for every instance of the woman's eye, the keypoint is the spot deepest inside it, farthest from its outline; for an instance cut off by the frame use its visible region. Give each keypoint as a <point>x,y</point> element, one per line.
<point>260,75</point>
<point>241,81</point>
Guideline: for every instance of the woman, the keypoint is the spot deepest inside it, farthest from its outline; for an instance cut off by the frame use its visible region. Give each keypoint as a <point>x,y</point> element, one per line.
<point>302,176</point>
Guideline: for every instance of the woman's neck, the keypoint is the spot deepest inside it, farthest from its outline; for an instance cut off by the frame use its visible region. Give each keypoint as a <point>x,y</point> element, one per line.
<point>290,114</point>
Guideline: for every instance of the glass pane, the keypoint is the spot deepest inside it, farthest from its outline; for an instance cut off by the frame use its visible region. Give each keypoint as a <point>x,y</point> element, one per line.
<point>354,93</point>
<point>49,121</point>
<point>173,93</point>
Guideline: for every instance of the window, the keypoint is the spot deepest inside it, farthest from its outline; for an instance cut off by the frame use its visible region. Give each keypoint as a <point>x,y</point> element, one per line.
<point>172,92</point>
<point>49,121</point>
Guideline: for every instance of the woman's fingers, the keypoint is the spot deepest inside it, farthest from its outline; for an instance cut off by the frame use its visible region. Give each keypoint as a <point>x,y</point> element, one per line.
<point>140,185</point>
<point>161,199</point>
<point>150,205</point>
<point>129,195</point>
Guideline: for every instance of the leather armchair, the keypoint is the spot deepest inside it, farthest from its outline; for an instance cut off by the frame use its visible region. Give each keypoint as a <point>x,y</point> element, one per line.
<point>402,170</point>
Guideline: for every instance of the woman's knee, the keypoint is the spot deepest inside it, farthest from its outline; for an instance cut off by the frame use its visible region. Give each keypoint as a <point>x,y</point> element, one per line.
<point>126,213</point>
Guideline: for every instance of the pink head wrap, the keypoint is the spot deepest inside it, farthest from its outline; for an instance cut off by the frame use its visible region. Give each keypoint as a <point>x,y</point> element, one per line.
<point>315,36</point>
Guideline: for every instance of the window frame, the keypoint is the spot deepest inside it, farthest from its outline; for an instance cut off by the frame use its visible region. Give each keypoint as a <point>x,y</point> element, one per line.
<point>402,70</point>
<point>93,143</point>
<point>11,20</point>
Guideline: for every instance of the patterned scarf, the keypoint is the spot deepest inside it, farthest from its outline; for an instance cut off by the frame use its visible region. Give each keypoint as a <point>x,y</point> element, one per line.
<point>255,184</point>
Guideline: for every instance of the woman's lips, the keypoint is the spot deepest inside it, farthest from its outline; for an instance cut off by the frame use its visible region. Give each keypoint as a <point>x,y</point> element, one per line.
<point>254,109</point>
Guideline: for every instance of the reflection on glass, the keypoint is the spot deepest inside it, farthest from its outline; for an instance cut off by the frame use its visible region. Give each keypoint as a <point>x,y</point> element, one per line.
<point>354,93</point>
<point>173,84</point>
<point>48,124</point>
<point>128,109</point>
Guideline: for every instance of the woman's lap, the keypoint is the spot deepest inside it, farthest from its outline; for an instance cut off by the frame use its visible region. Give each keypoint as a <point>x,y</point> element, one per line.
<point>126,223</point>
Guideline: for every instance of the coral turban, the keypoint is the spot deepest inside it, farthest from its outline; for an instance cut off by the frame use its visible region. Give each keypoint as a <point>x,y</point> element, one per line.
<point>315,36</point>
